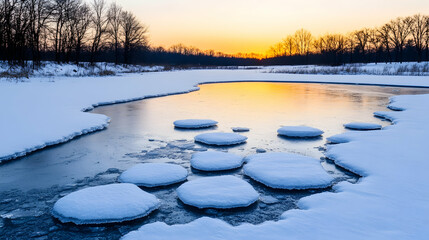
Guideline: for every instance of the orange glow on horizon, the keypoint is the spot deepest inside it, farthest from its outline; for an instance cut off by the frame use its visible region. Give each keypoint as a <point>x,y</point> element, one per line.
<point>252,26</point>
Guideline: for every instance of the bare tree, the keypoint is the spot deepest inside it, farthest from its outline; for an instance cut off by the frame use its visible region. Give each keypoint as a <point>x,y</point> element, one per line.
<point>134,34</point>
<point>399,31</point>
<point>376,43</point>
<point>303,40</point>
<point>362,40</point>
<point>419,29</point>
<point>384,35</point>
<point>289,45</point>
<point>99,21</point>
<point>40,12</point>
<point>114,26</point>
<point>81,24</point>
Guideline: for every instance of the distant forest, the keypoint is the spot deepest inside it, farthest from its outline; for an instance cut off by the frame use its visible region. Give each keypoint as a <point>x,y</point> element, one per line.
<point>76,31</point>
<point>401,39</point>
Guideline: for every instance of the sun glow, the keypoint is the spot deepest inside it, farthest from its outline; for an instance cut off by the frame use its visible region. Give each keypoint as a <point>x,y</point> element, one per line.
<point>248,26</point>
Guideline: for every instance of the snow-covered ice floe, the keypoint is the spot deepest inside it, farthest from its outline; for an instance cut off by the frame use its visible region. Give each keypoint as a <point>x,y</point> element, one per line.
<point>154,174</point>
<point>105,204</point>
<point>215,161</point>
<point>240,129</point>
<point>220,138</point>
<point>194,123</point>
<point>299,132</point>
<point>217,192</point>
<point>362,126</point>
<point>287,171</point>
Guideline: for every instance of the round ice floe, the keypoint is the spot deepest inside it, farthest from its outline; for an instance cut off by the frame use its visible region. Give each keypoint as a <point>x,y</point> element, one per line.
<point>154,174</point>
<point>194,123</point>
<point>215,161</point>
<point>217,192</point>
<point>362,126</point>
<point>220,139</point>
<point>287,171</point>
<point>105,204</point>
<point>299,131</point>
<point>240,129</point>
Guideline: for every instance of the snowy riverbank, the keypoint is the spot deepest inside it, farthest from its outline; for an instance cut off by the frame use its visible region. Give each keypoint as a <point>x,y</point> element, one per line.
<point>44,111</point>
<point>389,202</point>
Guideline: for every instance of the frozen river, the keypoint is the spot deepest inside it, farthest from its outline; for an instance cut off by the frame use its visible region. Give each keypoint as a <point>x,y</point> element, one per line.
<point>142,131</point>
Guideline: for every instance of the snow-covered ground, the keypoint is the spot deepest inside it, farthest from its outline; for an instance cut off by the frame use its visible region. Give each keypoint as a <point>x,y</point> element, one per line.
<point>389,202</point>
<point>405,69</point>
<point>53,70</point>
<point>44,111</point>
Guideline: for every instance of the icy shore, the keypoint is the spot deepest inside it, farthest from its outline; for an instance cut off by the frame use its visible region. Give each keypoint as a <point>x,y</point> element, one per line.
<point>43,111</point>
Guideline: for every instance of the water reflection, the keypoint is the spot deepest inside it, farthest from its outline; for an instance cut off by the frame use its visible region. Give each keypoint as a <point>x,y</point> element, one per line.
<point>262,107</point>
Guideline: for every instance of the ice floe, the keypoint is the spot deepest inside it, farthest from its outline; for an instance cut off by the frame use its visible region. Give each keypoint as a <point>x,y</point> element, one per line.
<point>105,204</point>
<point>287,171</point>
<point>217,192</point>
<point>215,161</point>
<point>220,138</point>
<point>154,174</point>
<point>362,126</point>
<point>195,123</point>
<point>299,131</point>
<point>240,129</point>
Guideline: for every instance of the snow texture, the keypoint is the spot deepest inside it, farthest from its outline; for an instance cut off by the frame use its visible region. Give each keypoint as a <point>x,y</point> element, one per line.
<point>220,138</point>
<point>388,203</point>
<point>215,161</point>
<point>55,102</point>
<point>195,123</point>
<point>105,204</point>
<point>287,171</point>
<point>217,192</point>
<point>362,126</point>
<point>299,132</point>
<point>240,129</point>
<point>154,174</point>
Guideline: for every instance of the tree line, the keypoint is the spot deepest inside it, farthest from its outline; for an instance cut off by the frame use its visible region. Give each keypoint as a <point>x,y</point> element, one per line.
<point>67,31</point>
<point>401,39</point>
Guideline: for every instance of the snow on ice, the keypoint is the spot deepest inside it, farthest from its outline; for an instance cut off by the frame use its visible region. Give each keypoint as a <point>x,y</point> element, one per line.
<point>154,174</point>
<point>240,129</point>
<point>220,138</point>
<point>217,192</point>
<point>389,202</point>
<point>215,161</point>
<point>105,204</point>
<point>299,131</point>
<point>287,171</point>
<point>194,123</point>
<point>55,102</point>
<point>393,162</point>
<point>362,126</point>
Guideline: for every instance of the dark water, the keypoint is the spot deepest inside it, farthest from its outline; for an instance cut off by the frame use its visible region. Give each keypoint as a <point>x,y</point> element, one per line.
<point>142,132</point>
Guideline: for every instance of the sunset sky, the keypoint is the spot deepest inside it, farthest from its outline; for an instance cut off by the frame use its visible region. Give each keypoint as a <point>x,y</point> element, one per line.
<point>233,26</point>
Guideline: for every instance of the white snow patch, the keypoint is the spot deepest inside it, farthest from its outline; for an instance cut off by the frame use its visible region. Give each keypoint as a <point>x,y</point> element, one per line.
<point>154,174</point>
<point>240,129</point>
<point>105,204</point>
<point>287,171</point>
<point>362,126</point>
<point>215,161</point>
<point>217,192</point>
<point>220,138</point>
<point>299,131</point>
<point>195,123</point>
